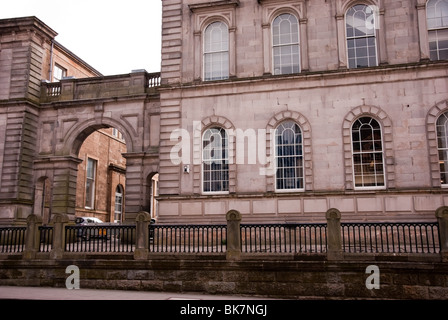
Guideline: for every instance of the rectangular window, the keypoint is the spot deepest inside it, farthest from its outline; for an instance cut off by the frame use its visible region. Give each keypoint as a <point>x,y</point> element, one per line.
<point>59,73</point>
<point>437,18</point>
<point>289,157</point>
<point>215,161</point>
<point>90,183</point>
<point>118,205</point>
<point>438,44</point>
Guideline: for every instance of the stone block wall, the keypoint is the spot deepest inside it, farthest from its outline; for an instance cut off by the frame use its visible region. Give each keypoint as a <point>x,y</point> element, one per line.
<point>268,277</point>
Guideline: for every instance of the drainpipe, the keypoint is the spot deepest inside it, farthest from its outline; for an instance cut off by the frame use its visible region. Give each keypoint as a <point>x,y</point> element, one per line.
<point>50,73</point>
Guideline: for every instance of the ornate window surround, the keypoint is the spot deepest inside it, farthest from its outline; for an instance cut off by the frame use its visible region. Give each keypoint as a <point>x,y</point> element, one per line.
<point>341,9</point>
<point>305,126</point>
<point>203,15</point>
<point>388,150</point>
<point>206,123</point>
<point>272,9</point>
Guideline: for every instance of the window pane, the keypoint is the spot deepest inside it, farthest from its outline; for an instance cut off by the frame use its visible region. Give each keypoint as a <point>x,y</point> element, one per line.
<point>215,168</point>
<point>437,14</point>
<point>368,165</point>
<point>216,52</point>
<point>289,157</point>
<point>360,32</point>
<point>90,183</point>
<point>437,18</point>
<point>285,38</point>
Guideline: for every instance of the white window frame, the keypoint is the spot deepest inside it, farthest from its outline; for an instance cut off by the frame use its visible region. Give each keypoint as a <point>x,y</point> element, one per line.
<point>90,181</point>
<point>443,27</point>
<point>59,73</point>
<point>118,214</point>
<point>225,50</point>
<point>361,152</point>
<point>210,157</point>
<point>354,38</point>
<point>291,44</point>
<point>443,161</point>
<point>300,176</point>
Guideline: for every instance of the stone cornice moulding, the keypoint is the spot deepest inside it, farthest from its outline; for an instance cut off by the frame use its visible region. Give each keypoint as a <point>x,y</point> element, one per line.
<point>212,4</point>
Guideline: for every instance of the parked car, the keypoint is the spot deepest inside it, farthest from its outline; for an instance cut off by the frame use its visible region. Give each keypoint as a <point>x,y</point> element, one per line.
<point>91,228</point>
<point>151,231</point>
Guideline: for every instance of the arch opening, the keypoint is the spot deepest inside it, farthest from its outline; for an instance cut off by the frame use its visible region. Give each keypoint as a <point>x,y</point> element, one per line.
<point>101,176</point>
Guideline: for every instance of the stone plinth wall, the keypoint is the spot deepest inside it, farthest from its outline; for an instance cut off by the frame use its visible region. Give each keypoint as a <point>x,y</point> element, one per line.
<point>279,277</point>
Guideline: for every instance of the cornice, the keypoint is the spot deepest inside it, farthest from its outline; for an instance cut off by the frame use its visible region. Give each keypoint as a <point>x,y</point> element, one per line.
<point>213,4</point>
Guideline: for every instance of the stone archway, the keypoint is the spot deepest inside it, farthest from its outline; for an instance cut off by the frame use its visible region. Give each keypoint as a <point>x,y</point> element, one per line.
<point>102,169</point>
<point>64,166</point>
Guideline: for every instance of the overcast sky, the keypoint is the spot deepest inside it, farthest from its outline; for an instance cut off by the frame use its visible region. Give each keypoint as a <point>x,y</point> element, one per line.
<point>113,36</point>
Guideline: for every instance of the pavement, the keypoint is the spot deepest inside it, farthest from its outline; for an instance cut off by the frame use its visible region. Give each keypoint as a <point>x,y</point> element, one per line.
<point>49,293</point>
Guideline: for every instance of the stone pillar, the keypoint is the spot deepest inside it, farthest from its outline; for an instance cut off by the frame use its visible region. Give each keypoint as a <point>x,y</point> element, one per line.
<point>422,29</point>
<point>442,219</point>
<point>65,173</point>
<point>305,66</point>
<point>381,36</point>
<point>232,52</point>
<point>334,238</point>
<point>59,222</point>
<point>32,237</point>
<point>135,185</point>
<point>68,89</point>
<point>342,46</point>
<point>267,65</point>
<point>233,235</point>
<point>142,235</point>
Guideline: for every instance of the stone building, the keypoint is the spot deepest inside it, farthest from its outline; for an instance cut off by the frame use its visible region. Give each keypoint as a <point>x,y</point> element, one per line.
<point>278,109</point>
<point>307,105</point>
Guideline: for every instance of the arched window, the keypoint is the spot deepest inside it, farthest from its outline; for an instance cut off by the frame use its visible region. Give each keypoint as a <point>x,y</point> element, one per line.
<point>437,17</point>
<point>118,204</point>
<point>442,146</point>
<point>289,157</point>
<point>361,36</point>
<point>285,42</point>
<point>215,160</point>
<point>368,163</point>
<point>216,51</point>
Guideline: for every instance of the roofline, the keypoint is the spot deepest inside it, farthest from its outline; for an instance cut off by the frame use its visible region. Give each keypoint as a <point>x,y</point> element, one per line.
<point>78,59</point>
<point>25,23</point>
<point>32,22</point>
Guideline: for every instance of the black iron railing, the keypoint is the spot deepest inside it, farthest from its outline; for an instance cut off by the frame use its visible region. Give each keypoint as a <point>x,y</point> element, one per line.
<point>308,238</point>
<point>187,238</point>
<point>46,238</point>
<point>284,238</point>
<point>100,238</point>
<point>12,239</point>
<point>418,237</point>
